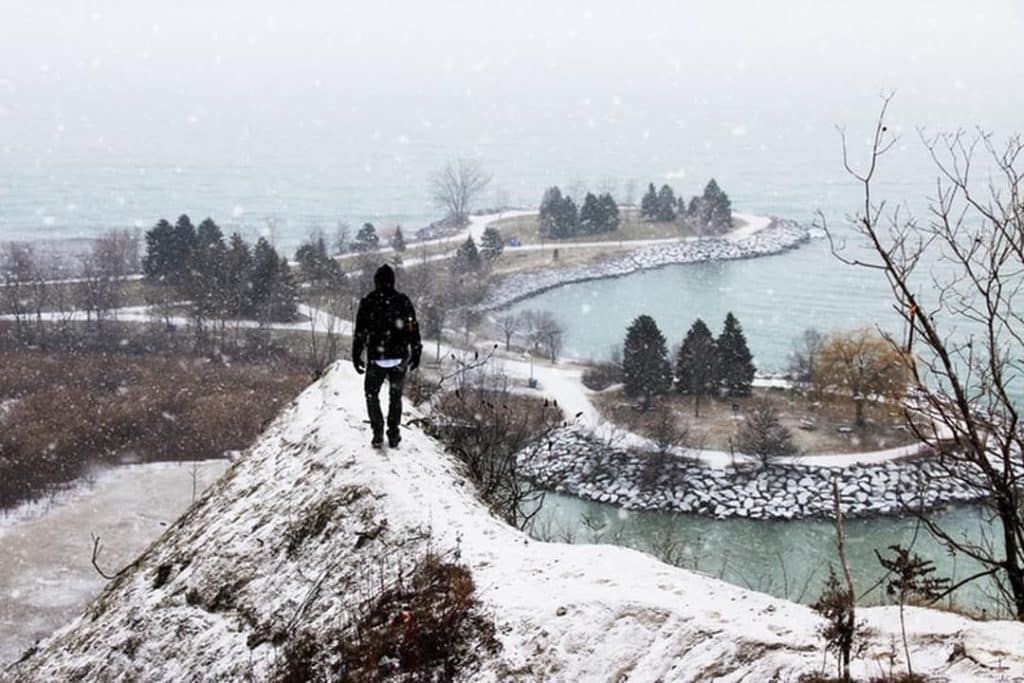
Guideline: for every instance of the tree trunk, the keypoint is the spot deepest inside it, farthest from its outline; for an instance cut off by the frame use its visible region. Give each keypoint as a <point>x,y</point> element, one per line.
<point>859,403</point>
<point>1012,567</point>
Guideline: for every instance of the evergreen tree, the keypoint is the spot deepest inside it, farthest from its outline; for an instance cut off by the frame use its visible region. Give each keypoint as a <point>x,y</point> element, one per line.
<point>569,221</point>
<point>467,257</point>
<point>366,238</point>
<point>182,243</point>
<point>665,210</point>
<point>491,244</point>
<point>284,295</point>
<point>735,362</point>
<point>649,204</point>
<point>697,364</point>
<point>550,209</point>
<point>610,212</point>
<point>206,275</point>
<point>645,366</point>
<point>238,267</point>
<point>318,267</point>
<point>265,263</point>
<point>157,264</point>
<point>398,240</point>
<point>718,207</point>
<point>591,215</point>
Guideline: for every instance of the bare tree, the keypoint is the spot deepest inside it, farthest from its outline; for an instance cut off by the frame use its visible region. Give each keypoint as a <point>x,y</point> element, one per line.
<point>545,333</point>
<point>509,326</point>
<point>324,339</point>
<point>956,279</point>
<point>455,186</point>
<point>763,435</point>
<point>804,355</point>
<point>864,366</point>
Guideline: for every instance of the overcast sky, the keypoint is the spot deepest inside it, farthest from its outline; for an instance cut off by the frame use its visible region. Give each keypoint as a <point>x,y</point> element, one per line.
<point>100,67</point>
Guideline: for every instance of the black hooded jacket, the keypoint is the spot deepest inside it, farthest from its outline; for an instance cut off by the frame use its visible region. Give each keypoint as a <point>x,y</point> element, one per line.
<point>386,323</point>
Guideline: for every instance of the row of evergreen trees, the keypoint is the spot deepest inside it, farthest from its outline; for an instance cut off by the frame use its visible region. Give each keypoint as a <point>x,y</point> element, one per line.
<point>469,258</point>
<point>710,212</point>
<point>559,217</point>
<point>221,279</point>
<point>705,366</point>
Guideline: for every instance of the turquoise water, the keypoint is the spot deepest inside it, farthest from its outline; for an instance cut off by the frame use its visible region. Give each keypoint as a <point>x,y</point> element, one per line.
<point>774,298</point>
<point>786,559</point>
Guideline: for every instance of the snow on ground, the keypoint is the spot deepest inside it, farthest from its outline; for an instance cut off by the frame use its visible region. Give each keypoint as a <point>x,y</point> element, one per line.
<point>752,224</point>
<point>46,576</point>
<point>205,600</point>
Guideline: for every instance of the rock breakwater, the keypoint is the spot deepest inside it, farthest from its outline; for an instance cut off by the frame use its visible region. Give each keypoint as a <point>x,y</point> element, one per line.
<point>575,463</point>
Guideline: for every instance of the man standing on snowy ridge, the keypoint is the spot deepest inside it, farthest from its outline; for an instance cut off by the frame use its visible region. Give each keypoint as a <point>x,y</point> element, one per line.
<point>386,328</point>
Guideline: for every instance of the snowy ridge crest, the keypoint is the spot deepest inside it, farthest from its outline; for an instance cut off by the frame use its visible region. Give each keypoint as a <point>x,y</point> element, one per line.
<point>287,538</point>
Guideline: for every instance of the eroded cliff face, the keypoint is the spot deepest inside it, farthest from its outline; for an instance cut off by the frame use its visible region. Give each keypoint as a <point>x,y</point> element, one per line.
<point>303,531</point>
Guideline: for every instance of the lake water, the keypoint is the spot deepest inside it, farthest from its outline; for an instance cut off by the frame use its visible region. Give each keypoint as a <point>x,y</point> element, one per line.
<point>787,559</point>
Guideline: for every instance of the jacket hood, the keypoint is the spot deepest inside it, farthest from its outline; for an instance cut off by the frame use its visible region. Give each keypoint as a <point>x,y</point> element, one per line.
<point>384,278</point>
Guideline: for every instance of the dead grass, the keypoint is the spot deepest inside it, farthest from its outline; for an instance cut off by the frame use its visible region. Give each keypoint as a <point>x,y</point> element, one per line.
<point>69,411</point>
<point>526,228</point>
<point>717,426</point>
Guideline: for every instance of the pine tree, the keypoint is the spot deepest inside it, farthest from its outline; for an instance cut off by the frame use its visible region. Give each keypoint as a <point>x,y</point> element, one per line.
<point>157,263</point>
<point>183,242</point>
<point>610,213</point>
<point>645,367</point>
<point>591,215</point>
<point>205,283</point>
<point>491,244</point>
<point>366,238</point>
<point>697,364</point>
<point>735,361</point>
<point>318,267</point>
<point>467,257</point>
<point>238,278</point>
<point>284,295</point>
<point>649,204</point>
<point>718,208</point>
<point>665,210</point>
<point>265,263</point>
<point>398,240</point>
<point>550,210</point>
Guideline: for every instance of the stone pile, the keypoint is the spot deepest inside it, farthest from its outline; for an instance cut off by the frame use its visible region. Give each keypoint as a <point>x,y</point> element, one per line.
<point>574,463</point>
<point>779,236</point>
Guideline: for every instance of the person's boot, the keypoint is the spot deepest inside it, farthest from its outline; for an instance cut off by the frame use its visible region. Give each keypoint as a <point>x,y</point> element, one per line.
<point>378,440</point>
<point>394,438</point>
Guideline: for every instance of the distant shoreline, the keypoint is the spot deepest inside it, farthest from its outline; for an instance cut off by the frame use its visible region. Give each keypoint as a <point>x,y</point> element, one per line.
<point>779,236</point>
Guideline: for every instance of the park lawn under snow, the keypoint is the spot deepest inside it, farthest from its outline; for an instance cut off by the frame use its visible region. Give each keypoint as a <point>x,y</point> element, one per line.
<point>199,602</point>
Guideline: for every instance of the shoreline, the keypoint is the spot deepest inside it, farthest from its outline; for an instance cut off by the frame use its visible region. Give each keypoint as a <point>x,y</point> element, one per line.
<point>577,464</point>
<point>777,237</point>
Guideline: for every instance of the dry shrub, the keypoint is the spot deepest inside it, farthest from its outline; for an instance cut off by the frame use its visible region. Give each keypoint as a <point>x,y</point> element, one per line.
<point>602,375</point>
<point>427,627</point>
<point>485,428</point>
<point>70,411</point>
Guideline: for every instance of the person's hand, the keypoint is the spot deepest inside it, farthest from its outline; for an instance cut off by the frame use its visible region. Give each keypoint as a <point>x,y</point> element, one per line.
<point>357,363</point>
<point>414,361</point>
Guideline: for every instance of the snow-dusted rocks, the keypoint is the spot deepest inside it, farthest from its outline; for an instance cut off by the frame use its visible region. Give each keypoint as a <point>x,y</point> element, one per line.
<point>573,462</point>
<point>779,236</point>
<point>290,538</point>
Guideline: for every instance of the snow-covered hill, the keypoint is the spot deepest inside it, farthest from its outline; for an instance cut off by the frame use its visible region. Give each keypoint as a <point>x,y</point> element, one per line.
<point>290,536</point>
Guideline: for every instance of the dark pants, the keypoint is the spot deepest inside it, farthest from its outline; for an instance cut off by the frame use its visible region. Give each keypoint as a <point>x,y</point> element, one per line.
<point>375,376</point>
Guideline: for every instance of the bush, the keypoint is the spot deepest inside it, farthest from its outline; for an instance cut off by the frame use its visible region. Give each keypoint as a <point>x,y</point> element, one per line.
<point>601,376</point>
<point>425,628</point>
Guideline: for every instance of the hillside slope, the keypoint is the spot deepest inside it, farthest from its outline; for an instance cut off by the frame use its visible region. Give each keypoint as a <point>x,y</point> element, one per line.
<point>291,536</point>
